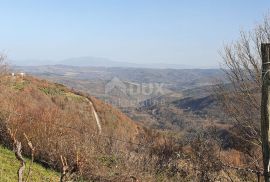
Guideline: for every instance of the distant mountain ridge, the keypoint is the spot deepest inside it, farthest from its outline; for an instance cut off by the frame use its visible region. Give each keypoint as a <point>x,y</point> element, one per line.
<point>89,61</point>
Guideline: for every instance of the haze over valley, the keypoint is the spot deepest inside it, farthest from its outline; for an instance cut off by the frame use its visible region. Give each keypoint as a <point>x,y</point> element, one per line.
<point>134,91</point>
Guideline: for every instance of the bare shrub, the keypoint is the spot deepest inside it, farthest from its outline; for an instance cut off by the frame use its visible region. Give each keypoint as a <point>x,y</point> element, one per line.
<point>17,148</point>
<point>3,65</point>
<point>240,94</point>
<point>205,156</point>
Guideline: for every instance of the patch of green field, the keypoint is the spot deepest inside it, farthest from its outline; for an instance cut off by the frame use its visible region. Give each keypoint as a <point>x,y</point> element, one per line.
<point>52,91</point>
<point>74,97</point>
<point>20,85</point>
<point>9,166</point>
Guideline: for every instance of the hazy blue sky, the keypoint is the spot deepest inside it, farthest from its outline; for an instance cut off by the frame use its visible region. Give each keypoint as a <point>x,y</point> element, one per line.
<point>144,31</point>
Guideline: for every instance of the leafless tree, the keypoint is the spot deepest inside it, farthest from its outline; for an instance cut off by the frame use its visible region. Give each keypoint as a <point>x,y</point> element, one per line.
<point>30,145</point>
<point>70,172</point>
<point>240,94</point>
<point>17,147</point>
<point>18,153</point>
<point>3,64</point>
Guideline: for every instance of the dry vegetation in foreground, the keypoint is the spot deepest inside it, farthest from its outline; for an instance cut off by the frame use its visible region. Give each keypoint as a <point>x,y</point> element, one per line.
<point>59,122</point>
<point>61,126</point>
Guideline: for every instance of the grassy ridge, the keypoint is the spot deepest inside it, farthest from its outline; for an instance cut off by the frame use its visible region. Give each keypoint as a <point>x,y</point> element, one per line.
<point>9,166</point>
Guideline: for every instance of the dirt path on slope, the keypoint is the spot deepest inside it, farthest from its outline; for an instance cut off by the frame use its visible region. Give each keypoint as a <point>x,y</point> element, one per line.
<point>95,114</point>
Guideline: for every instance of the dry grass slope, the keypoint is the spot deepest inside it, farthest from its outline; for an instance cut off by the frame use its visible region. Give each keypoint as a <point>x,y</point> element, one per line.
<point>60,121</point>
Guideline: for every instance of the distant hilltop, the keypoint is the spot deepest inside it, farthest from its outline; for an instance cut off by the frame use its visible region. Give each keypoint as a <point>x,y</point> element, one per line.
<point>101,62</point>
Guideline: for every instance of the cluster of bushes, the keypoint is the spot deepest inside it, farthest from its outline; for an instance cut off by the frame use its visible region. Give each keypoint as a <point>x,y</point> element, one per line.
<point>61,124</point>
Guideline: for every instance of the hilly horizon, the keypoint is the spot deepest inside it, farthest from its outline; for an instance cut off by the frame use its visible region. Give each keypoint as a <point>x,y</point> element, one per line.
<point>89,61</point>
<point>135,91</point>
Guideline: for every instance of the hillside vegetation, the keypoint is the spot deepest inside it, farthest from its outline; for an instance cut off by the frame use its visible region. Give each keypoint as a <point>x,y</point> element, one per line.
<point>61,122</point>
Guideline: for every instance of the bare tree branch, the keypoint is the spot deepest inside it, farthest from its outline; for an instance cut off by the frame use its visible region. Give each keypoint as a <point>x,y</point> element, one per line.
<point>17,147</point>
